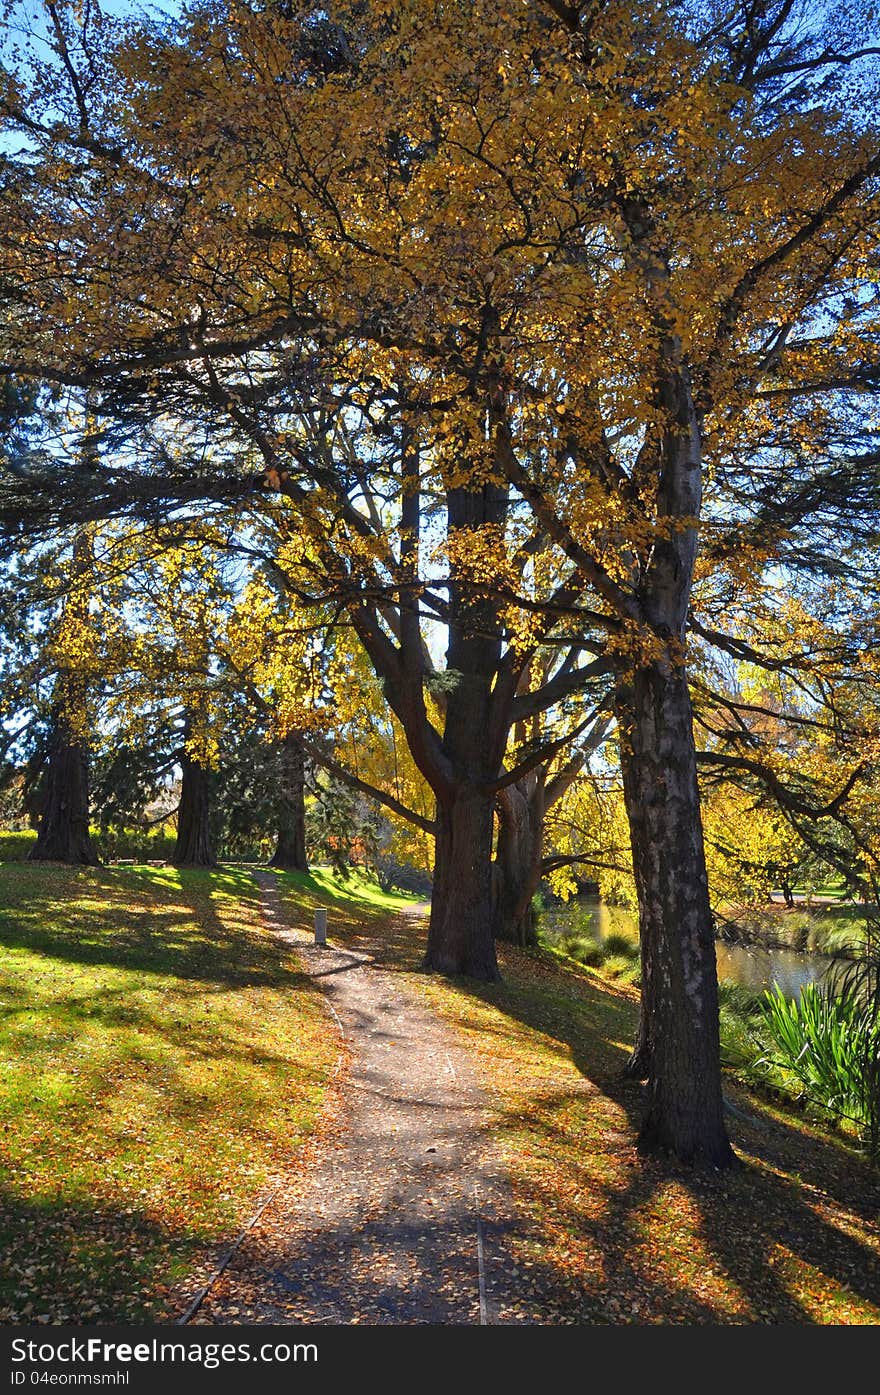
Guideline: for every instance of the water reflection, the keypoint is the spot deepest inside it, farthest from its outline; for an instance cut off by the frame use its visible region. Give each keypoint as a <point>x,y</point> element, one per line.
<point>757,968</point>
<point>590,917</point>
<point>748,965</point>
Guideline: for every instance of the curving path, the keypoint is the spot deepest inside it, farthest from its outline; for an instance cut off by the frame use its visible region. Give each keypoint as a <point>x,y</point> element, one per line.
<point>400,1213</point>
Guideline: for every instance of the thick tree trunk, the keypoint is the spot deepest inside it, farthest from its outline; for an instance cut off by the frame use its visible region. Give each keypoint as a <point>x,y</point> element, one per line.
<point>679,1036</point>
<point>460,933</point>
<point>193,847</point>
<point>290,851</point>
<point>516,872</point>
<point>63,834</point>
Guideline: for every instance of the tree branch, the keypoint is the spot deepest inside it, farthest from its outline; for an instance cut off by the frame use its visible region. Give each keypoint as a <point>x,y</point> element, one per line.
<point>355,782</point>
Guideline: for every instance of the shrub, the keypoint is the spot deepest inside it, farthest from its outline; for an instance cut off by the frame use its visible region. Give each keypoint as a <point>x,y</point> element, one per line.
<point>827,1042</point>
<point>745,1039</point>
<point>739,1000</point>
<point>134,844</point>
<point>617,945</point>
<point>621,966</point>
<point>582,948</point>
<point>393,874</point>
<point>14,847</point>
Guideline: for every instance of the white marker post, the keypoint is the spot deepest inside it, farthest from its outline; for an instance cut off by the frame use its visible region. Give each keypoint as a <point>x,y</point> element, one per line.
<point>320,927</point>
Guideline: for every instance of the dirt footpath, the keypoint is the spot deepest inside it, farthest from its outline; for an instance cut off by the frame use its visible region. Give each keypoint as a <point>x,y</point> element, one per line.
<point>401,1211</point>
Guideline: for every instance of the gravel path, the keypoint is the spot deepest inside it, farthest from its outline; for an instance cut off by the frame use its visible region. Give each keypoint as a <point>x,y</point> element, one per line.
<point>399,1214</point>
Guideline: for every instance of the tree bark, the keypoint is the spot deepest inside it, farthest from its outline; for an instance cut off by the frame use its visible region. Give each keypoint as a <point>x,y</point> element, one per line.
<point>638,1066</point>
<point>290,851</point>
<point>63,834</point>
<point>460,933</point>
<point>679,1041</point>
<point>517,867</point>
<point>194,847</point>
<point>522,809</point>
<point>460,937</point>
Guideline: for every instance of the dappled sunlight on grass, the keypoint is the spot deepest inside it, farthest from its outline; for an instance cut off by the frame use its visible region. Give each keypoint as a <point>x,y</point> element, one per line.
<point>360,914</point>
<point>357,891</point>
<point>162,1056</point>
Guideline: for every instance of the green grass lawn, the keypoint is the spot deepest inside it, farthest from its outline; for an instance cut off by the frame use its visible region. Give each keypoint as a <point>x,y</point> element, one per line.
<point>356,894</point>
<point>162,1058</point>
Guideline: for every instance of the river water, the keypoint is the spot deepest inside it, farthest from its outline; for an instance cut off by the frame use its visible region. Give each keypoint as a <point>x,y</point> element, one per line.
<point>758,968</point>
<point>748,965</point>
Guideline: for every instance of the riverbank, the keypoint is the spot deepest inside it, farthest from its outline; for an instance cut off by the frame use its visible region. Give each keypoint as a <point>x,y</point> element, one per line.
<point>763,958</point>
<point>758,947</point>
<point>826,927</point>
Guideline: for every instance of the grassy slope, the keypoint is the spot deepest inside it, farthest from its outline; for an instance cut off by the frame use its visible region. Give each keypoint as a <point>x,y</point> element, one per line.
<point>355,896</point>
<point>791,1237</point>
<point>161,1058</point>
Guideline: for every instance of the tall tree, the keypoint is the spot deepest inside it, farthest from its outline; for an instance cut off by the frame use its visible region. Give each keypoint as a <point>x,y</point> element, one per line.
<point>49,688</point>
<point>63,834</point>
<point>194,846</point>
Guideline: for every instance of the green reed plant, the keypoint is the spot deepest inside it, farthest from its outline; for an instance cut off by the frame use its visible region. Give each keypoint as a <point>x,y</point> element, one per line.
<point>829,1043</point>
<point>619,944</point>
<point>859,981</point>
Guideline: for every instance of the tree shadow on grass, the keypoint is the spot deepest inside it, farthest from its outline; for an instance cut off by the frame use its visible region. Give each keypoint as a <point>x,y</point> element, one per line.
<point>138,921</point>
<point>154,998</point>
<point>391,939</point>
<point>354,917</point>
<point>87,1263</point>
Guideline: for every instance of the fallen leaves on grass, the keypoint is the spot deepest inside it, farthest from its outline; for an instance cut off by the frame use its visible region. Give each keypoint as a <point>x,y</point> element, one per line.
<point>163,1057</point>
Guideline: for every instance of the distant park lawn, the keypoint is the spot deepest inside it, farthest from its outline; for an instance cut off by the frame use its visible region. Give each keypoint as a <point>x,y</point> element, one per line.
<point>162,1057</point>
<point>352,898</point>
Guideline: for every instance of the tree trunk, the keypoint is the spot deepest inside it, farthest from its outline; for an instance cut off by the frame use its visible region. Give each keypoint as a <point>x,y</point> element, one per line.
<point>460,933</point>
<point>638,1067</point>
<point>193,847</point>
<point>64,823</point>
<point>63,834</point>
<point>290,851</point>
<point>516,872</point>
<point>679,1036</point>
